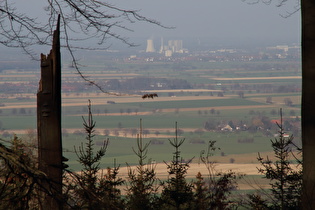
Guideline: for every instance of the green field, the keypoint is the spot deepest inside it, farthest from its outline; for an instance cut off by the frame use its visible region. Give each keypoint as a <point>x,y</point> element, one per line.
<point>189,109</point>
<point>120,148</point>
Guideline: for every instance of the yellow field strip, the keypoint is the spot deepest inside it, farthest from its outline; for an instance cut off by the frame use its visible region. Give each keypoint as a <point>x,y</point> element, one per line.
<point>18,76</point>
<point>181,90</point>
<point>102,100</point>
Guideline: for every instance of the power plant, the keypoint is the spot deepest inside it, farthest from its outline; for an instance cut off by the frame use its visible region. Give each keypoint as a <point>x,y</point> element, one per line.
<point>150,46</point>
<point>173,46</point>
<point>176,45</point>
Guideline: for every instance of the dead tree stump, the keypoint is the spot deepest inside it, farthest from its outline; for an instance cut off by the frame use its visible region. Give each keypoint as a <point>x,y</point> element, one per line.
<point>49,124</point>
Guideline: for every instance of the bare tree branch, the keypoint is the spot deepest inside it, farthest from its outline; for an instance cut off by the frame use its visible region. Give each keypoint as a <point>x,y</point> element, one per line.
<point>81,20</point>
<point>279,3</point>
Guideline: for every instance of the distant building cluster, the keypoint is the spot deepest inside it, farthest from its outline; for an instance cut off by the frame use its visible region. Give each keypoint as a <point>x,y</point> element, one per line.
<point>283,50</point>
<point>150,46</point>
<point>173,50</point>
<point>173,46</point>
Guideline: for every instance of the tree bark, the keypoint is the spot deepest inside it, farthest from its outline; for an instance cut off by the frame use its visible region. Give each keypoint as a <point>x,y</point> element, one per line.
<point>308,103</point>
<point>49,124</point>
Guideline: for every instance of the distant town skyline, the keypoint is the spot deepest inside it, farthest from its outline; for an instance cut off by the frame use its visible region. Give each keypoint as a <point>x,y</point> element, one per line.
<point>200,22</point>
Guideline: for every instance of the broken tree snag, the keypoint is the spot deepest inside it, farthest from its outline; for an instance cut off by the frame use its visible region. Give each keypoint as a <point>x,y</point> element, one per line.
<point>49,123</point>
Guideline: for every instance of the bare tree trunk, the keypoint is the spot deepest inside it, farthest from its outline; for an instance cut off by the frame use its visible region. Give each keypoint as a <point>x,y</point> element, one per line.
<point>49,125</point>
<point>308,103</point>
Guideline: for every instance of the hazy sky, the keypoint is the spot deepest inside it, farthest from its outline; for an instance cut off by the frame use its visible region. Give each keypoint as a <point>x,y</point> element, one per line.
<point>230,20</point>
<point>221,21</point>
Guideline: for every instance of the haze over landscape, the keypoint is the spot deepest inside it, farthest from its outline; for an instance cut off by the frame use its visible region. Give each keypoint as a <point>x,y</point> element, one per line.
<point>237,65</point>
<point>213,23</point>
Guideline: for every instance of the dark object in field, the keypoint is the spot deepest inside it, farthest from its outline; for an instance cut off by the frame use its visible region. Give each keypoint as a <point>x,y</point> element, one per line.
<point>151,95</point>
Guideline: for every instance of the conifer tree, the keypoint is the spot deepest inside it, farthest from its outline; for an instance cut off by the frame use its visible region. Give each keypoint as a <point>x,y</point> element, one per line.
<point>87,188</point>
<point>19,177</point>
<point>200,193</point>
<point>285,178</point>
<point>177,192</point>
<point>111,195</point>
<point>142,190</point>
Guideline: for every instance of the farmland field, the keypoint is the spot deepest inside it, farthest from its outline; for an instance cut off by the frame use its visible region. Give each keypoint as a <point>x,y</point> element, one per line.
<point>244,100</point>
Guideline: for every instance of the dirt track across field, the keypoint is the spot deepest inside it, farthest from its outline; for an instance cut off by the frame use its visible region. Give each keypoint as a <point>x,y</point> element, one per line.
<point>101,100</point>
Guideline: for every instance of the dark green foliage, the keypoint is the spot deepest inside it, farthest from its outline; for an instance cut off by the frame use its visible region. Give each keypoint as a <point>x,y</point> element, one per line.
<point>177,192</point>
<point>256,201</point>
<point>111,195</point>
<point>216,189</point>
<point>142,187</point>
<point>19,177</point>
<point>285,178</point>
<point>200,193</point>
<point>220,190</point>
<point>90,190</point>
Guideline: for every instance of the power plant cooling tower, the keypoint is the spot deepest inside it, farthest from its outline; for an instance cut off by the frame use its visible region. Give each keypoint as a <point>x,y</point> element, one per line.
<point>150,46</point>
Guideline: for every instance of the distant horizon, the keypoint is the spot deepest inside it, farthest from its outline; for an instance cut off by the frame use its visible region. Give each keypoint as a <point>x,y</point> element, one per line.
<point>204,42</point>
<point>215,23</point>
<point>188,43</point>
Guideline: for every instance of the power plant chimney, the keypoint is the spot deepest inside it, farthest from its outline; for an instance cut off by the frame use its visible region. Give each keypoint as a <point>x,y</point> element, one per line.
<point>162,45</point>
<point>150,46</point>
